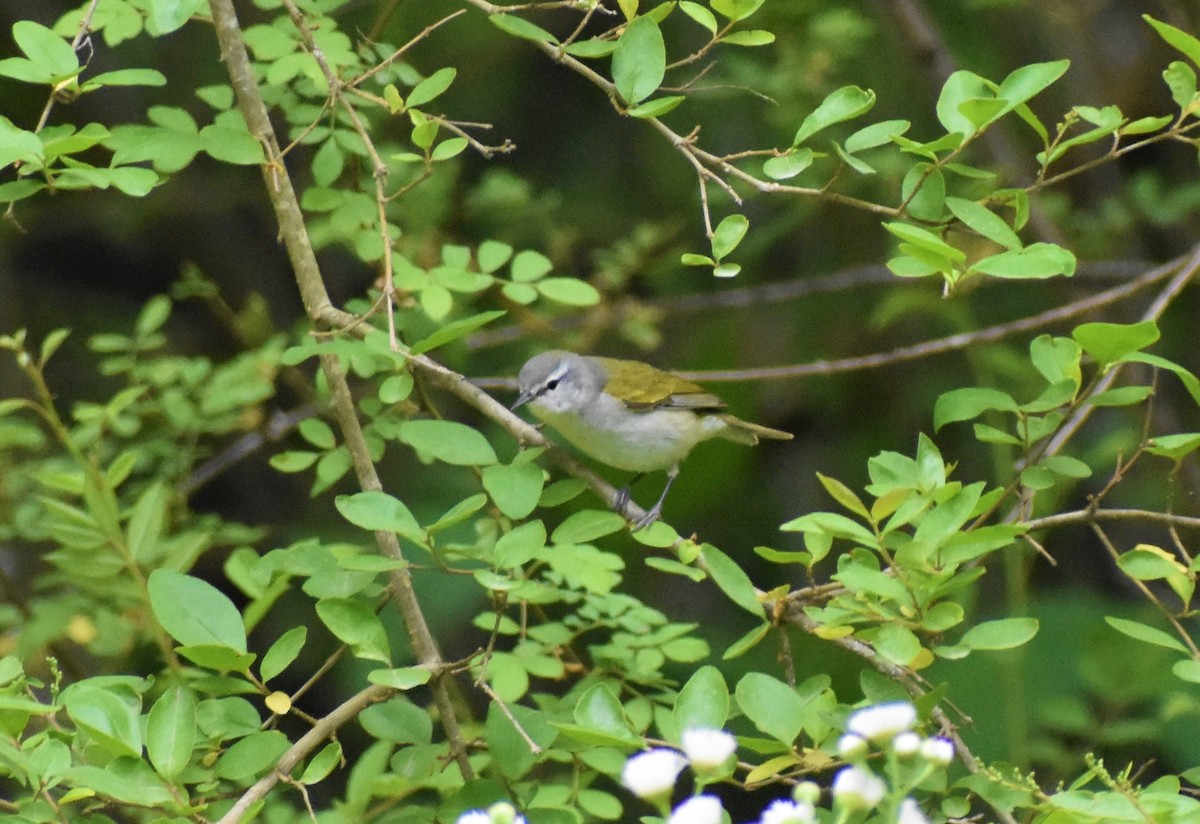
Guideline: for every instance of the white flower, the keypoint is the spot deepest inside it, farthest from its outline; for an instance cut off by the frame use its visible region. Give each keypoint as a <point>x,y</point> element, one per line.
<point>504,813</point>
<point>652,774</point>
<point>852,746</point>
<point>700,809</point>
<point>910,813</point>
<point>499,813</point>
<point>906,743</point>
<point>858,789</point>
<point>788,812</point>
<point>708,749</point>
<point>882,722</point>
<point>807,793</point>
<point>938,751</point>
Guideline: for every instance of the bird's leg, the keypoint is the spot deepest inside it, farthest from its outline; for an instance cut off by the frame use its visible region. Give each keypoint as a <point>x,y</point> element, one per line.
<point>655,511</point>
<point>621,502</point>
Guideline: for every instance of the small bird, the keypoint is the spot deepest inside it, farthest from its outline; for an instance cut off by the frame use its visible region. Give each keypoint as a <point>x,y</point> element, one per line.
<point>629,414</point>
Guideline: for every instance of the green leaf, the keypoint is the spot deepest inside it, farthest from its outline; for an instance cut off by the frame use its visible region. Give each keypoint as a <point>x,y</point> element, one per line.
<point>146,523</point>
<point>969,403</point>
<point>732,580</point>
<point>322,764</point>
<point>877,134</point>
<point>1038,260</point>
<point>1187,670</point>
<point>928,202</point>
<point>529,266</point>
<point>640,60</point>
<point>448,441</point>
<point>195,612</point>
<point>217,657</point>
<point>17,144</point>
<point>509,745</point>
<point>460,512</point>
<point>703,703</point>
<point>169,15</point>
<point>1066,466</point>
<point>377,510</point>
<point>569,291</point>
<point>515,488</point>
<point>231,143</point>
<point>1056,359</point>
<point>598,710</point>
<point>1189,381</point>
<point>283,652</point>
<point>171,731</point>
<point>107,719</point>
<point>591,49</point>
<point>431,87</point>
<point>587,525</point>
<point>492,254</point>
<point>125,77</point>
<point>48,51</point>
<point>448,148</point>
<point>984,221</point>
<point>519,545</point>
<point>749,37</point>
<point>1175,447</point>
<point>1141,632</point>
<point>455,330</point>
<point>736,9</point>
<point>1181,80</point>
<point>1028,81</point>
<point>125,779</point>
<point>846,103</point>
<point>398,721</point>
<point>867,581</point>
<point>1004,633</point>
<point>252,756</point>
<point>772,706</point>
<point>896,644</point>
<point>1149,563</point>
<point>788,165</point>
<point>400,678</point>
<point>520,27</point>
<point>356,625</point>
<point>844,495</point>
<point>1177,38</point>
<point>729,234</point>
<point>1107,121</point>
<point>1110,343</point>
<point>926,240</point>
<point>657,107</point>
<point>960,87</point>
<point>700,14</point>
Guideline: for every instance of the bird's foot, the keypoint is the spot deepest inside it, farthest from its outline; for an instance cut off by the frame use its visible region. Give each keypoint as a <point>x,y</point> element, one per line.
<point>650,516</point>
<point>621,504</point>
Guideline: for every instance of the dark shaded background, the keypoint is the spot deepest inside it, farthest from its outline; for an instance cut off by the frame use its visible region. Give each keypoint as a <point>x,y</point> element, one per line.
<point>610,201</point>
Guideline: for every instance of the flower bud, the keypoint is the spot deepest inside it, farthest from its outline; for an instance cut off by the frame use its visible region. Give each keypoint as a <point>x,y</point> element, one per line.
<point>857,789</point>
<point>708,750</point>
<point>882,722</point>
<point>651,775</point>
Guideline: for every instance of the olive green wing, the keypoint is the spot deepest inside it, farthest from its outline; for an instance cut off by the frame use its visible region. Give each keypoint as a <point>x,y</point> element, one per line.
<point>641,386</point>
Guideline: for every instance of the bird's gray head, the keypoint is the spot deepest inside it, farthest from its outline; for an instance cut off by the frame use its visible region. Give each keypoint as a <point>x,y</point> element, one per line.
<point>559,381</point>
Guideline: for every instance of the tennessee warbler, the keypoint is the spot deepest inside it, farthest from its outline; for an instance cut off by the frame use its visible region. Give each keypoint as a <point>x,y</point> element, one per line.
<point>629,414</point>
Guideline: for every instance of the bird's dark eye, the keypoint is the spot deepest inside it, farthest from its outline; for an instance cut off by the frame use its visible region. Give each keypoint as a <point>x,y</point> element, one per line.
<point>552,384</point>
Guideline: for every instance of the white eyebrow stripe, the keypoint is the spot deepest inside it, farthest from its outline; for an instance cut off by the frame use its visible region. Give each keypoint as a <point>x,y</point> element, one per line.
<point>559,372</point>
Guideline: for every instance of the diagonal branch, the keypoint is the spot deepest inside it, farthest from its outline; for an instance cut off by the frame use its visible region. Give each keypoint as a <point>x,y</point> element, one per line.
<point>322,312</point>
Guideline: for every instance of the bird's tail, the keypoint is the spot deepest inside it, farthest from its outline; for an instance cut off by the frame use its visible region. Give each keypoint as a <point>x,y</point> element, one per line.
<point>744,432</point>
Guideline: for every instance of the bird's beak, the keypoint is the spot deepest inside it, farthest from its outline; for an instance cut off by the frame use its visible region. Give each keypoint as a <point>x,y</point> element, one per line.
<point>525,397</point>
